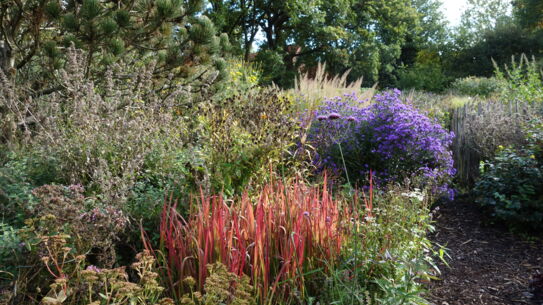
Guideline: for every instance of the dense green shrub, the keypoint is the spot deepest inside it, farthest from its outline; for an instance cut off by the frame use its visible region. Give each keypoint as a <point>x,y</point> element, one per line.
<point>10,247</point>
<point>241,137</point>
<point>511,184</point>
<point>273,67</point>
<point>427,76</point>
<point>242,76</point>
<point>395,255</point>
<point>19,175</point>
<point>477,86</point>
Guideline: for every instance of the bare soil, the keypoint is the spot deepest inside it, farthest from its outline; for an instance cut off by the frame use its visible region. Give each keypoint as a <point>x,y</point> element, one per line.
<point>487,264</point>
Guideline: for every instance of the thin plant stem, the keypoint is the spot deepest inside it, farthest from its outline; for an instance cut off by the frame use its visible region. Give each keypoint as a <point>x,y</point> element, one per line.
<point>344,166</point>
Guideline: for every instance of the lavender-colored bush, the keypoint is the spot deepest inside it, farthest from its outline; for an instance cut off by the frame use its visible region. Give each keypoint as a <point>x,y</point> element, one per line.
<point>391,138</point>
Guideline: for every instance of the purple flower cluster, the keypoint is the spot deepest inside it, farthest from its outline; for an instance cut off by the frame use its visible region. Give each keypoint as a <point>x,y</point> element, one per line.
<point>393,139</point>
<point>93,269</point>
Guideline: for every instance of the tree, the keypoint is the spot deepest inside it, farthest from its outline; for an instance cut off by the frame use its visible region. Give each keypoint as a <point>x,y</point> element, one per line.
<point>479,17</point>
<point>490,32</point>
<point>428,37</point>
<point>529,13</point>
<point>284,25</point>
<point>365,35</point>
<point>499,45</point>
<point>375,33</point>
<point>238,19</point>
<point>432,29</point>
<point>173,33</point>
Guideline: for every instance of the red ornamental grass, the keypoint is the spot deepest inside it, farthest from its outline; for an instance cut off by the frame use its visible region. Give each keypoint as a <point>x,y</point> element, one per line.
<point>288,231</point>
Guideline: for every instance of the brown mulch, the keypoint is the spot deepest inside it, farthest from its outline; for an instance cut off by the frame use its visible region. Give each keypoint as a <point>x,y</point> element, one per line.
<point>487,264</point>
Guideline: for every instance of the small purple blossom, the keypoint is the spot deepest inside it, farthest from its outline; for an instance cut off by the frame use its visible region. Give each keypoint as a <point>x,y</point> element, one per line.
<point>334,116</point>
<point>93,268</point>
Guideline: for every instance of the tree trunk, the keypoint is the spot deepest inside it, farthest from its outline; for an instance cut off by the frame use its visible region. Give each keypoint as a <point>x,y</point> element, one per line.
<point>7,61</point>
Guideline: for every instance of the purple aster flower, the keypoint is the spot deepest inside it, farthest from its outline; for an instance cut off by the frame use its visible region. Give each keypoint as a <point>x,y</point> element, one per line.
<point>394,139</point>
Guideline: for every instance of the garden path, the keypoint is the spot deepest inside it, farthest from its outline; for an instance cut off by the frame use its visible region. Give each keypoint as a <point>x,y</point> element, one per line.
<point>488,264</point>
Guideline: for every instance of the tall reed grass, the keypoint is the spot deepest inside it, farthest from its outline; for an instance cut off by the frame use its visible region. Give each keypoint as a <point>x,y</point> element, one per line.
<point>313,87</point>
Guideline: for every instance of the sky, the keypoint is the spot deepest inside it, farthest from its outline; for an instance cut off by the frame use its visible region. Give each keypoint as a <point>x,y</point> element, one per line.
<point>453,10</point>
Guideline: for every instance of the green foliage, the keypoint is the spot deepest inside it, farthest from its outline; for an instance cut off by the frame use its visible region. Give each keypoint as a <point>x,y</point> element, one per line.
<point>374,47</point>
<point>242,77</point>
<point>511,184</point>
<point>497,44</point>
<point>437,106</point>
<point>241,137</point>
<point>19,175</point>
<point>432,25</point>
<point>10,247</point>
<point>144,202</point>
<point>479,17</point>
<point>273,67</point>
<point>429,35</point>
<point>366,36</point>
<point>477,86</point>
<point>522,81</point>
<point>427,76</point>
<point>387,265</point>
<point>36,32</point>
<point>529,13</point>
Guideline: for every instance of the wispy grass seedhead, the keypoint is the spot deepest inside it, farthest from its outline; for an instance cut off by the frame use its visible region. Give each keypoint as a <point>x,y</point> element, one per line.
<point>314,88</point>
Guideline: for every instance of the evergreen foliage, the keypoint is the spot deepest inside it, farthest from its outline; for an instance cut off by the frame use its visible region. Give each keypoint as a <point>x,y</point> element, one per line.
<point>173,33</point>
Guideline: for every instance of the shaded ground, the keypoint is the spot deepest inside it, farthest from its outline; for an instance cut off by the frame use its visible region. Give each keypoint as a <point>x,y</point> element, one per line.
<point>488,265</point>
